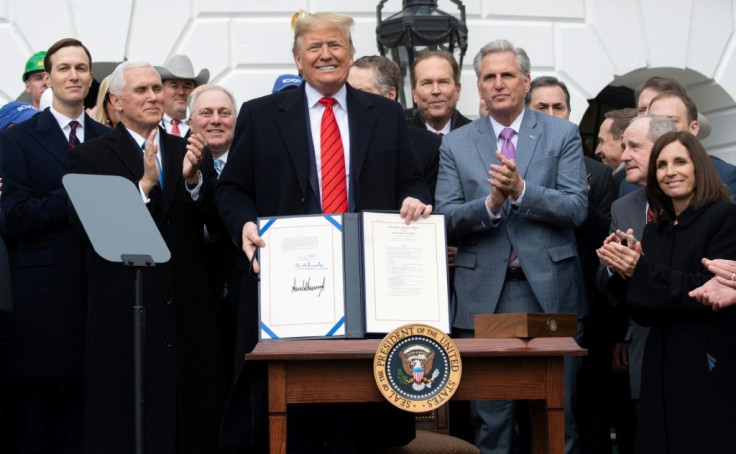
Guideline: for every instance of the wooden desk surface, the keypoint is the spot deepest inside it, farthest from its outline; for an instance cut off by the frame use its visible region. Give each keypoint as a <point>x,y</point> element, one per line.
<point>335,349</point>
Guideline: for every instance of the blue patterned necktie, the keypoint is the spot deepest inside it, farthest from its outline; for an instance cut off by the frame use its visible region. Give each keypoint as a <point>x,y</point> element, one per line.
<point>219,164</point>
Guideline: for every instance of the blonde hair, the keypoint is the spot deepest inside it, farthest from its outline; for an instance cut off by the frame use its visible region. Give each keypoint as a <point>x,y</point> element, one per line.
<point>102,97</point>
<point>316,21</point>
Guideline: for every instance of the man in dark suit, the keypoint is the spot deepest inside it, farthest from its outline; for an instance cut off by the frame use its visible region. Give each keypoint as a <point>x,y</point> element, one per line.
<point>47,325</point>
<point>212,114</point>
<point>515,230</point>
<point>380,75</point>
<point>274,169</point>
<point>598,390</point>
<point>610,136</point>
<point>435,87</point>
<point>182,362</point>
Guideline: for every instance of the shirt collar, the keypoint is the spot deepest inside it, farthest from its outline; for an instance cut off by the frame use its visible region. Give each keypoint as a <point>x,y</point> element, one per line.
<point>64,120</point>
<point>313,96</point>
<point>515,125</point>
<point>223,157</point>
<point>140,139</point>
<point>445,130</point>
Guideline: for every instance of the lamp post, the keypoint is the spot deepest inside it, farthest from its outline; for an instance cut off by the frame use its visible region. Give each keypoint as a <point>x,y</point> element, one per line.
<point>419,26</point>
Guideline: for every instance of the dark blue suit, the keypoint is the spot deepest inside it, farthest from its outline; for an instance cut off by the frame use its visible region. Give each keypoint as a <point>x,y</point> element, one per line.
<point>271,172</point>
<point>46,337</point>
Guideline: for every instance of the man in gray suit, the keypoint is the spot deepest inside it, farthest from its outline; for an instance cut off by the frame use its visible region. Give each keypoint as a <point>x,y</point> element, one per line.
<point>630,213</point>
<point>513,213</point>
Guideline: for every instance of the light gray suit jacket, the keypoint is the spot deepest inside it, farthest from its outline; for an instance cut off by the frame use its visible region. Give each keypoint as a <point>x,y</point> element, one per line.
<point>549,157</point>
<point>629,212</point>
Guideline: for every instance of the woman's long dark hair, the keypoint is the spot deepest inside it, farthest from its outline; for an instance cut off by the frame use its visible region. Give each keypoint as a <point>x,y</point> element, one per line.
<point>708,185</point>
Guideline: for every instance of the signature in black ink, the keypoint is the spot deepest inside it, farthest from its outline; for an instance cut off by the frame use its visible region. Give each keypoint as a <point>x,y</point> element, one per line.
<point>309,265</point>
<point>306,286</point>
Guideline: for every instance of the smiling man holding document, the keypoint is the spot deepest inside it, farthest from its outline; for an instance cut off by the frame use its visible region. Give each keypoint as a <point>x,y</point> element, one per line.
<point>321,148</point>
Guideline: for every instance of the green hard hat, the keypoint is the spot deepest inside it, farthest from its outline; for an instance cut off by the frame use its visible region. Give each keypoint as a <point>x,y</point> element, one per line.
<point>35,63</point>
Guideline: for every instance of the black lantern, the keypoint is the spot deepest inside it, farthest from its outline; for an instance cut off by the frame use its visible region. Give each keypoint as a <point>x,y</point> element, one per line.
<point>419,26</point>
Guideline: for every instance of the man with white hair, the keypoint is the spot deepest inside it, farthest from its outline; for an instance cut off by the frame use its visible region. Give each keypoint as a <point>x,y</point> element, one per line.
<point>184,385</point>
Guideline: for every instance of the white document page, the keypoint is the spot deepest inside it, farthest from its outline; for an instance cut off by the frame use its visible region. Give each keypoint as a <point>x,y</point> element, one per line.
<point>405,272</point>
<point>301,280</point>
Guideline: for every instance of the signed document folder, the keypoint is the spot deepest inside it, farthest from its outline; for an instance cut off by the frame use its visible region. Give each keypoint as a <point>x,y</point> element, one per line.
<point>344,275</point>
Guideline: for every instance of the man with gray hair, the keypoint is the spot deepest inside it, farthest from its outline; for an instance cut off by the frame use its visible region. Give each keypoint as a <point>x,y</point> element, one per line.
<point>515,230</point>
<point>184,384</point>
<point>629,215</point>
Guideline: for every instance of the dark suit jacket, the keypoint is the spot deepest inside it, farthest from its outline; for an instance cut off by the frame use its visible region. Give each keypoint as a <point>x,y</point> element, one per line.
<point>47,324</point>
<point>271,172</point>
<point>603,321</point>
<point>183,368</point>
<point>456,121</point>
<point>727,172</point>
<point>427,147</point>
<point>628,212</point>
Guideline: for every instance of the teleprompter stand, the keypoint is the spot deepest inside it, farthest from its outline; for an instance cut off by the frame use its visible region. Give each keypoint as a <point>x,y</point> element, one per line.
<point>121,229</point>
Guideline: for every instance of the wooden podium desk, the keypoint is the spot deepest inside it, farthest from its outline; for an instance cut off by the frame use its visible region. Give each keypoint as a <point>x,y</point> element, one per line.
<point>511,369</point>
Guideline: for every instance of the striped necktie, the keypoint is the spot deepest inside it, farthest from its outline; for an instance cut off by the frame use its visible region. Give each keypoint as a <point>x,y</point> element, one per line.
<point>73,139</point>
<point>332,156</point>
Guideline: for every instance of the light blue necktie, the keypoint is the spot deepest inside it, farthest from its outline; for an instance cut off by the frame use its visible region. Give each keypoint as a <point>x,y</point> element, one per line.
<point>160,169</point>
<point>219,164</point>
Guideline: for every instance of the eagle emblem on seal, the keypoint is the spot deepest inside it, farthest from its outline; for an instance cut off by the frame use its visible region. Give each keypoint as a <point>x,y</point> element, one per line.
<point>417,369</point>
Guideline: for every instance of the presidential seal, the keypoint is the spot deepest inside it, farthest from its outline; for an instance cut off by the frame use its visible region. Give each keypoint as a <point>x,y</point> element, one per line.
<point>417,368</point>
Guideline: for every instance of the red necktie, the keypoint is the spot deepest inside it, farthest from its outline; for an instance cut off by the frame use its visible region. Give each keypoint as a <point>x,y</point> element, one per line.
<point>175,127</point>
<point>440,134</point>
<point>332,156</point>
<point>650,215</point>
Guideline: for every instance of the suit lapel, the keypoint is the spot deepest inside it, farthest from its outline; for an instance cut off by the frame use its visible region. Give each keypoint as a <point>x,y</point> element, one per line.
<point>51,137</point>
<point>124,147</point>
<point>93,129</point>
<point>172,168</point>
<point>362,120</point>
<point>292,124</point>
<point>485,146</point>
<point>528,139</point>
<point>639,214</point>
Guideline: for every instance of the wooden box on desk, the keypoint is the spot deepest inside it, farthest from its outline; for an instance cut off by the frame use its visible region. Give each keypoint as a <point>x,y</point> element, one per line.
<point>526,325</point>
